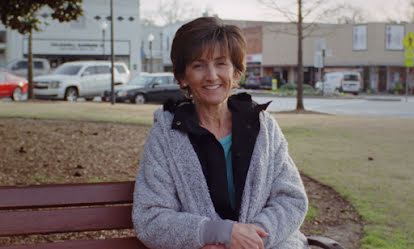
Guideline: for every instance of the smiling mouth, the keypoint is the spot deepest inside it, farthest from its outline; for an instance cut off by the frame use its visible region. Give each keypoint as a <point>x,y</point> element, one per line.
<point>212,87</point>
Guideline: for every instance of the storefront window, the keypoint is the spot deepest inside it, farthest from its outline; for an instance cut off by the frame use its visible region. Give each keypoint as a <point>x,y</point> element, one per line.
<point>3,36</point>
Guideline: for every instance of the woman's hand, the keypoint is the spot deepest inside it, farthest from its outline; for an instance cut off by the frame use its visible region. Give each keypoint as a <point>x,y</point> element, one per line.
<point>247,236</point>
<point>213,247</point>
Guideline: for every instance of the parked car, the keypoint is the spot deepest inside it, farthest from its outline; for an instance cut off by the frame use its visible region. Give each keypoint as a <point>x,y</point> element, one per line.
<point>257,82</point>
<point>19,67</point>
<point>155,87</point>
<point>124,75</point>
<point>13,86</point>
<point>252,82</point>
<point>347,82</point>
<point>266,82</point>
<point>71,80</point>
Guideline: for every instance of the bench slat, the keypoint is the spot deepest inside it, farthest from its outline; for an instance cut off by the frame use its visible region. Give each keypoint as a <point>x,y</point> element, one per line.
<point>65,220</point>
<point>123,243</point>
<point>66,195</point>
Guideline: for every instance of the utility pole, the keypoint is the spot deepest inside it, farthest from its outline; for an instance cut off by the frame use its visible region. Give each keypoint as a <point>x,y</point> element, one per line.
<point>112,55</point>
<point>299,96</point>
<point>30,65</point>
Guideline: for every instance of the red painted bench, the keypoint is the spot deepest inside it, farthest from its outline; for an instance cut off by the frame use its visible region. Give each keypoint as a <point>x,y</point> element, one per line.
<point>49,209</point>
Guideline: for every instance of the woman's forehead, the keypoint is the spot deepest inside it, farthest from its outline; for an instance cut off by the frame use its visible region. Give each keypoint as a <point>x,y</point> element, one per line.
<point>212,51</point>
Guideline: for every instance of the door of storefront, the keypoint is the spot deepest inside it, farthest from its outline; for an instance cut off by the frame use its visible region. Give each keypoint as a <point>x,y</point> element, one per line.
<point>382,79</point>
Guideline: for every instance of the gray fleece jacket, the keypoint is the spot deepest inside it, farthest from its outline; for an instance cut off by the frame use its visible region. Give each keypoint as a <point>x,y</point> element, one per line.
<point>172,204</point>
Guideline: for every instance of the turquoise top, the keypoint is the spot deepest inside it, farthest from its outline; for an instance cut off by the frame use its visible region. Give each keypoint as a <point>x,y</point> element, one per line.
<point>226,144</point>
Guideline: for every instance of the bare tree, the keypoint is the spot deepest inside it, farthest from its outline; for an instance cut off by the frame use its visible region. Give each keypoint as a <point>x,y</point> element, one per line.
<point>171,11</point>
<point>347,13</point>
<point>410,14</point>
<point>307,16</point>
<point>402,11</point>
<point>295,11</point>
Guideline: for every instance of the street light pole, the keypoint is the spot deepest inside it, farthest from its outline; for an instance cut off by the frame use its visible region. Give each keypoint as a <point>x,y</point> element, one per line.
<point>150,40</point>
<point>112,55</point>
<point>104,25</point>
<point>322,71</point>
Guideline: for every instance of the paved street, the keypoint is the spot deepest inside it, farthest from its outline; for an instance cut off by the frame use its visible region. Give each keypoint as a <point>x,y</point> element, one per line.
<point>364,106</point>
<point>387,106</point>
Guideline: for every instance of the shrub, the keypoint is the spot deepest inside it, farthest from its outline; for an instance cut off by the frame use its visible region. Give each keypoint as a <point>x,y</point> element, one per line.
<point>398,88</point>
<point>290,87</point>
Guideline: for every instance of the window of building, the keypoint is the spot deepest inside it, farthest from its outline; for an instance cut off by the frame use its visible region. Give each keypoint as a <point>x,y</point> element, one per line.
<point>394,35</point>
<point>3,36</point>
<point>168,43</point>
<point>359,37</point>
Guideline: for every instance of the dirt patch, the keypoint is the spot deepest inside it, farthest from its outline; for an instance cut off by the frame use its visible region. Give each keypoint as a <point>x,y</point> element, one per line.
<point>335,217</point>
<point>45,151</point>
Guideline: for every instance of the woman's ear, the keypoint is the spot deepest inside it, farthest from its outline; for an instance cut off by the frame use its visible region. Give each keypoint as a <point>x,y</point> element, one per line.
<point>236,77</point>
<point>182,83</point>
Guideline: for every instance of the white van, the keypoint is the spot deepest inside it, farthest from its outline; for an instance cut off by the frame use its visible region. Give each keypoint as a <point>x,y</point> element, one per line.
<point>347,82</point>
<point>86,79</point>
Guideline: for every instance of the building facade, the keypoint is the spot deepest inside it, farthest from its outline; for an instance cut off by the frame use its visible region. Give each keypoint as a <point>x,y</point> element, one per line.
<point>85,39</point>
<point>373,49</point>
<point>152,48</point>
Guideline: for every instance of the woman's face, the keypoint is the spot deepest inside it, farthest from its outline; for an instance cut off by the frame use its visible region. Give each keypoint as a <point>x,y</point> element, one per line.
<point>210,78</point>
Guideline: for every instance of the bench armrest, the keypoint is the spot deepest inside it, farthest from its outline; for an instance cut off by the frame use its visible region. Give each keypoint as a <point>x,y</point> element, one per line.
<point>323,242</point>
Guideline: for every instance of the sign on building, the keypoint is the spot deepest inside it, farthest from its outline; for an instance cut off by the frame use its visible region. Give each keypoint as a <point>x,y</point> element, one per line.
<point>318,59</point>
<point>408,43</point>
<point>76,47</point>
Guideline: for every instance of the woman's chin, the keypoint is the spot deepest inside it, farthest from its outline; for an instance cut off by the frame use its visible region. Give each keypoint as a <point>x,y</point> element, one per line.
<point>211,98</point>
<point>213,101</point>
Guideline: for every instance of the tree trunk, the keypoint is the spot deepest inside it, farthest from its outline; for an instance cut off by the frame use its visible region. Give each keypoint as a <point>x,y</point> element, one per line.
<point>30,66</point>
<point>299,95</point>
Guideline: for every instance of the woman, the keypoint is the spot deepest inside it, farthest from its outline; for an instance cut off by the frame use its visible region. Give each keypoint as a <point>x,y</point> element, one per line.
<point>215,171</point>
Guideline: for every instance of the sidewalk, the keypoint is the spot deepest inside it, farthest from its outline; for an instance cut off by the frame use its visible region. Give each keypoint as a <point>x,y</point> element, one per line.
<point>373,97</point>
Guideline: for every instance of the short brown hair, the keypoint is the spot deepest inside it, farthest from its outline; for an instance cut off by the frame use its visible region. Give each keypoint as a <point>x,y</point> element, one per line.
<point>194,38</point>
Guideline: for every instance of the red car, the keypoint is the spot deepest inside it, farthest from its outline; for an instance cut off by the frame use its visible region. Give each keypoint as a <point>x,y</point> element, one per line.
<point>12,86</point>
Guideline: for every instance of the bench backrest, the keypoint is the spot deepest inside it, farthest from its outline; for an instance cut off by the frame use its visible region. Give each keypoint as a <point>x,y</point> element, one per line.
<point>69,208</point>
<point>63,208</point>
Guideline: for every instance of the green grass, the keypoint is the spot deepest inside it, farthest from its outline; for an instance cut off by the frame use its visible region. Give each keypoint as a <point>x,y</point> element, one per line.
<point>336,150</point>
<point>312,213</point>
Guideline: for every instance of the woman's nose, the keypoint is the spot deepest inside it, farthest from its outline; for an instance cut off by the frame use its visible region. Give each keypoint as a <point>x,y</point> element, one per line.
<point>211,73</point>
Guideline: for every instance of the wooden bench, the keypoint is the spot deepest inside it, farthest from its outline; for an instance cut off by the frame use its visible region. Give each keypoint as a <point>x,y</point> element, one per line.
<point>49,209</point>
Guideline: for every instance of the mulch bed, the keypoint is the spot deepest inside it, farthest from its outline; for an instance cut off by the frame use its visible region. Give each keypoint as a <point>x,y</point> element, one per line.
<point>46,151</point>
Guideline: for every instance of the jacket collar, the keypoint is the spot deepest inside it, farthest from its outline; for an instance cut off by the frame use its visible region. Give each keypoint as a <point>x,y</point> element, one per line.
<point>186,119</point>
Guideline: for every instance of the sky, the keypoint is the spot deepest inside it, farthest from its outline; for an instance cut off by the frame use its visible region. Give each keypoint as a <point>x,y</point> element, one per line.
<point>375,10</point>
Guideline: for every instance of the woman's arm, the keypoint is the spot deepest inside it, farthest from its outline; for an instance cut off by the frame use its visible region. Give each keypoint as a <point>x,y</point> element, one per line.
<point>286,207</point>
<point>156,210</point>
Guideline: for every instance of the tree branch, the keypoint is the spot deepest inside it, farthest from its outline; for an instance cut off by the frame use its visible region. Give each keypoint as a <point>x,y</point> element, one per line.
<point>286,12</point>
